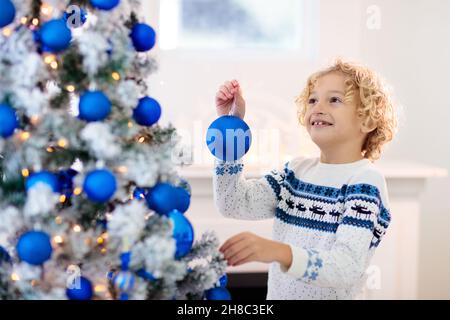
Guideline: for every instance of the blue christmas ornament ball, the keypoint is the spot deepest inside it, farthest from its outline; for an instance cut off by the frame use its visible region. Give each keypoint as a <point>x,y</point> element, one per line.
<point>183,199</point>
<point>37,39</point>
<point>46,177</point>
<point>110,275</point>
<point>161,198</point>
<point>8,121</point>
<point>183,233</point>
<point>223,281</point>
<point>185,185</point>
<point>100,185</point>
<point>139,193</point>
<point>55,35</point>
<point>80,289</point>
<point>94,106</point>
<point>4,256</point>
<point>144,274</point>
<point>73,20</point>
<point>7,12</point>
<point>65,179</point>
<point>143,37</point>
<point>105,4</point>
<point>218,293</point>
<point>229,138</point>
<point>102,223</point>
<point>148,112</point>
<point>34,247</point>
<point>123,281</point>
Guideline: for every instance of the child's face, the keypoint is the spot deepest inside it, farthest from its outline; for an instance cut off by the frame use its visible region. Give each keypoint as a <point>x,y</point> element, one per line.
<point>340,123</point>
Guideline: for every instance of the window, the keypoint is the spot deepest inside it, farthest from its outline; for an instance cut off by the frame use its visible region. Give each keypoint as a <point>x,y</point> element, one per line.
<point>233,24</point>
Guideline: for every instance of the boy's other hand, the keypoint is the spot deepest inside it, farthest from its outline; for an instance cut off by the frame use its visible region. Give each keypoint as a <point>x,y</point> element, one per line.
<point>248,247</point>
<point>229,99</point>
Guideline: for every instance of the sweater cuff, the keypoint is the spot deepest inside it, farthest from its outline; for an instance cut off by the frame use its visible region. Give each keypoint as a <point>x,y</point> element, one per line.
<point>228,167</point>
<point>299,263</point>
<point>218,162</point>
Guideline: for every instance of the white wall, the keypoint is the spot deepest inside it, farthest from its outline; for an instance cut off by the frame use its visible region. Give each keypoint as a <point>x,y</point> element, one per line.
<point>270,81</point>
<point>411,50</point>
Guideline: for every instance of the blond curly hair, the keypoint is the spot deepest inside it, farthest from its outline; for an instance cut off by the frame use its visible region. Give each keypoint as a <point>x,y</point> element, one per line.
<point>373,100</point>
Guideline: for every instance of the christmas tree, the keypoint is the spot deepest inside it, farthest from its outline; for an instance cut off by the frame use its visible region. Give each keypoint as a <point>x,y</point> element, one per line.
<point>91,202</point>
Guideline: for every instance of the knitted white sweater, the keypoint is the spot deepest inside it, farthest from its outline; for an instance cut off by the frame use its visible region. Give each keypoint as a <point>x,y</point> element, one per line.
<point>332,215</point>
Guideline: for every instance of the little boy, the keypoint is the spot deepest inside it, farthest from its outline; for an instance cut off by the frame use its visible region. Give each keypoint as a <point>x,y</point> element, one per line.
<point>330,212</point>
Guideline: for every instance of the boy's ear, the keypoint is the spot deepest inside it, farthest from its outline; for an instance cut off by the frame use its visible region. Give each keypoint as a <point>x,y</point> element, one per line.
<point>368,126</point>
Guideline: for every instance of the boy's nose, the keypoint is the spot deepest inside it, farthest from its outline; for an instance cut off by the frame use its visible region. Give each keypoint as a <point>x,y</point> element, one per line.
<point>318,113</point>
<point>318,108</point>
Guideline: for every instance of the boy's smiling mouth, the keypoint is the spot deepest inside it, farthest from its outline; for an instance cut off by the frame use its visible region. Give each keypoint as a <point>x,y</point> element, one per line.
<point>320,123</point>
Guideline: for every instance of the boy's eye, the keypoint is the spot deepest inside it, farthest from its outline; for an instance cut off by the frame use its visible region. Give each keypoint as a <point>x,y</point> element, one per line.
<point>335,100</point>
<point>312,100</point>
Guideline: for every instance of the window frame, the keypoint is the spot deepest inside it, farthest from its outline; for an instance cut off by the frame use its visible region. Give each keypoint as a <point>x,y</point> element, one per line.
<point>308,36</point>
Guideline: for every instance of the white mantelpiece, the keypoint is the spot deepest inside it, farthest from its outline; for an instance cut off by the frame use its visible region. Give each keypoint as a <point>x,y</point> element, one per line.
<point>393,273</point>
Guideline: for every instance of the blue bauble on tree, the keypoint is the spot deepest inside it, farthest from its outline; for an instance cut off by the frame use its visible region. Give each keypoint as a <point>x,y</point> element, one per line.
<point>46,177</point>
<point>34,247</point>
<point>143,37</point>
<point>161,198</point>
<point>109,51</point>
<point>218,293</point>
<point>55,35</point>
<point>7,12</point>
<point>65,179</point>
<point>223,281</point>
<point>139,193</point>
<point>80,289</point>
<point>144,274</point>
<point>148,112</point>
<point>183,199</point>
<point>123,281</point>
<point>8,121</point>
<point>229,138</point>
<point>102,223</point>
<point>105,4</point>
<point>4,256</point>
<point>94,106</point>
<point>183,233</point>
<point>185,185</point>
<point>100,185</point>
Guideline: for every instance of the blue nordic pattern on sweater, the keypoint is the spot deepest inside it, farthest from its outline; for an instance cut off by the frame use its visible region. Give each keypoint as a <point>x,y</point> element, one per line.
<point>299,191</point>
<point>313,266</point>
<point>230,169</point>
